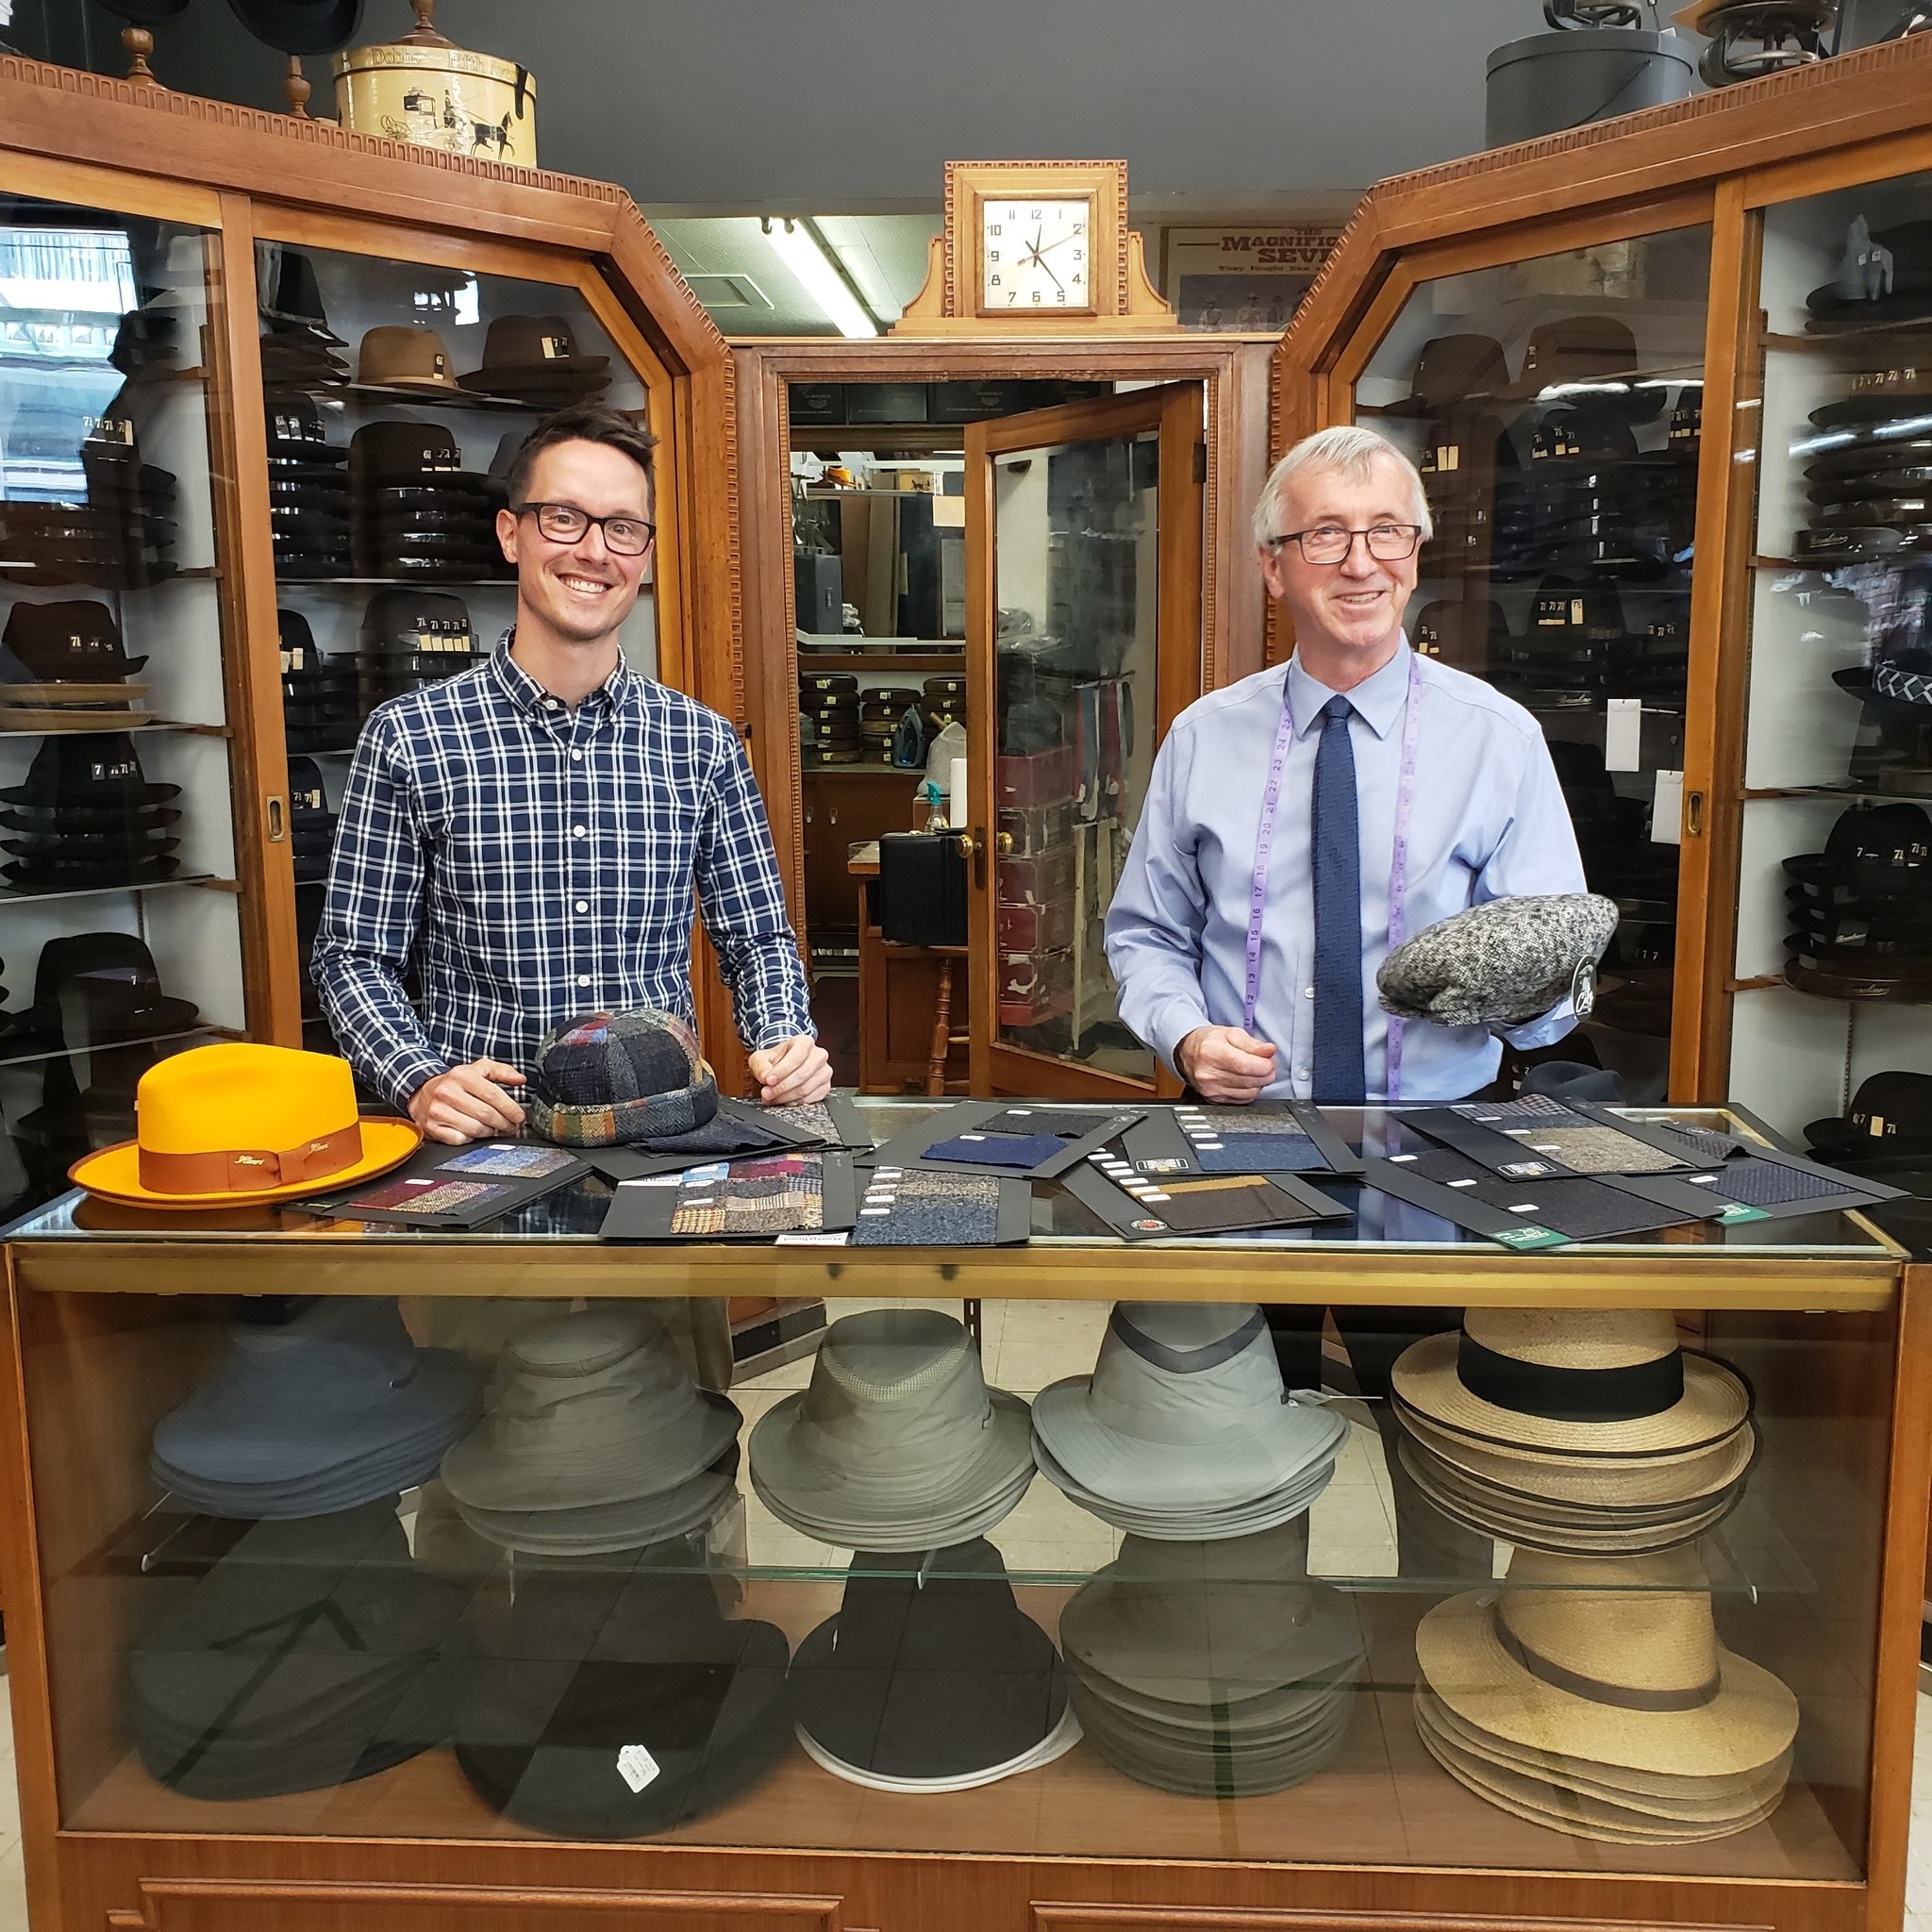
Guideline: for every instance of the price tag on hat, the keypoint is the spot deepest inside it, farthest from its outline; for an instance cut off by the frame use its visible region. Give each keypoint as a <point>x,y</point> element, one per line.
<point>637,1767</point>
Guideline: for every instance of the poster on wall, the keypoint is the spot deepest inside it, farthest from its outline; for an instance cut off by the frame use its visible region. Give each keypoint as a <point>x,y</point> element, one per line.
<point>1246,279</point>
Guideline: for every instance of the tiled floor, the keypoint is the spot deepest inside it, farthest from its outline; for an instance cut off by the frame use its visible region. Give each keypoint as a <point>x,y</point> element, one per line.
<point>1026,1346</point>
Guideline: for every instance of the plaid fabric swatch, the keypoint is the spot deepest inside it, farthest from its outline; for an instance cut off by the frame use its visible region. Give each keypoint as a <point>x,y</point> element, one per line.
<point>1532,1109</point>
<point>783,1196</point>
<point>916,1207</point>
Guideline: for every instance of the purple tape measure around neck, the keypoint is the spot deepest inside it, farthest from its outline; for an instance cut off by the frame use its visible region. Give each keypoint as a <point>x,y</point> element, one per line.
<point>1398,859</point>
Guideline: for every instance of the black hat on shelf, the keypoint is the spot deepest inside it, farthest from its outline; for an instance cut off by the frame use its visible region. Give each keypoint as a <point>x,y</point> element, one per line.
<point>1878,854</point>
<point>98,771</point>
<point>609,1697</point>
<point>1868,455</point>
<point>424,453</point>
<point>290,296</point>
<point>71,641</point>
<point>1576,430</point>
<point>1449,373</point>
<point>1890,1117</point>
<point>1898,395</point>
<point>1569,611</point>
<point>1591,359</point>
<point>102,988</point>
<point>295,429</point>
<point>1882,278</point>
<point>417,622</point>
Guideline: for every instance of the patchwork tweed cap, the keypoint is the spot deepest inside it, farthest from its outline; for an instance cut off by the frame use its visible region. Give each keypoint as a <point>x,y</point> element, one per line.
<point>604,1079</point>
<point>1504,961</point>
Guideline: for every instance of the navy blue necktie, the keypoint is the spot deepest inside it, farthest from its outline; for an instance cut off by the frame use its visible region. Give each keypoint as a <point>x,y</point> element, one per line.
<point>1341,1078</point>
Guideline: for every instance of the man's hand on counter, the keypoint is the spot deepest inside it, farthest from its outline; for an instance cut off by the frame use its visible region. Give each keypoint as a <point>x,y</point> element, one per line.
<point>468,1103</point>
<point>793,1072</point>
<point>1225,1064</point>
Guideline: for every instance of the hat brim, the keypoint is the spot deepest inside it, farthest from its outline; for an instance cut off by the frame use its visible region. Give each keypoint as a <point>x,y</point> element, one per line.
<point>1220,1471</point>
<point>1746,1726</point>
<point>795,1484</point>
<point>113,1173</point>
<point>1715,1403</point>
<point>300,27</point>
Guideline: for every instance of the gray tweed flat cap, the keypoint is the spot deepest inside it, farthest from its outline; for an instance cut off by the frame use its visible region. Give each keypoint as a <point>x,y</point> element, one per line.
<point>1500,963</point>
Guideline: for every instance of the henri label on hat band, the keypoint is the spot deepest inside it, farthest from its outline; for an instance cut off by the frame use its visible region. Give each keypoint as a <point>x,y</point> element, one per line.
<point>1188,1361</point>
<point>236,1171</point>
<point>1625,1696</point>
<point>1570,1395</point>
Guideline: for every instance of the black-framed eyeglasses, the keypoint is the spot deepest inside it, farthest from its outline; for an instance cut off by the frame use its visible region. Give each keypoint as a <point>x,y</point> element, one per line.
<point>564,522</point>
<point>1332,542</point>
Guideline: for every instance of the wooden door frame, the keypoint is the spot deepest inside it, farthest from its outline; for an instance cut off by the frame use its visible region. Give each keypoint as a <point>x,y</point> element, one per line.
<point>1169,412</point>
<point>1234,373</point>
<point>147,150</point>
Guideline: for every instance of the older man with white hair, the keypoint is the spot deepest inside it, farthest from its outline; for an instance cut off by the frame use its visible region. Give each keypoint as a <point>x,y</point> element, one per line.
<point>1303,821</point>
<point>1298,827</point>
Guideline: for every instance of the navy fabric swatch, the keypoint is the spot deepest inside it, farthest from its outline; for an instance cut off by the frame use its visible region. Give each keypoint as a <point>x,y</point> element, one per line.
<point>1016,1151</point>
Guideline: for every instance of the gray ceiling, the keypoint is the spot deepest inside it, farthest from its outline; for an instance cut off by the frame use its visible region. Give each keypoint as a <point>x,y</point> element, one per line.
<point>842,106</point>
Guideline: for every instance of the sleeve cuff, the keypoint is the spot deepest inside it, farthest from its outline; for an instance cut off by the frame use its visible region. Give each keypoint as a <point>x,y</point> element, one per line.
<point>402,1080</point>
<point>1559,1021</point>
<point>1170,1025</point>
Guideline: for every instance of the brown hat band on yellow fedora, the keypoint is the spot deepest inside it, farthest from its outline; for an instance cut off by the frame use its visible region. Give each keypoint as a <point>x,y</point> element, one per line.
<point>234,1171</point>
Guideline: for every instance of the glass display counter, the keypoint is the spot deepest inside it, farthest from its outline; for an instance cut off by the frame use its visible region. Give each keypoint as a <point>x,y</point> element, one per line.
<point>343,1536</point>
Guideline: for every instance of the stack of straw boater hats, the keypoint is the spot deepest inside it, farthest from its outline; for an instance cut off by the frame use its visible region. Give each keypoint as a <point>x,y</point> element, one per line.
<point>1593,1695</point>
<point>1184,1432</point>
<point>1587,1431</point>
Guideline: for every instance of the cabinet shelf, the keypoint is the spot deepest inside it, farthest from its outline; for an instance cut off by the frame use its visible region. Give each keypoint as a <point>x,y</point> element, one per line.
<point>412,398</point>
<point>809,661</point>
<point>12,896</point>
<point>62,1053</point>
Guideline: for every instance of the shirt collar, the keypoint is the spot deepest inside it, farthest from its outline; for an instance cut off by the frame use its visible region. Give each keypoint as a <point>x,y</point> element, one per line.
<point>525,692</point>
<point>1378,700</point>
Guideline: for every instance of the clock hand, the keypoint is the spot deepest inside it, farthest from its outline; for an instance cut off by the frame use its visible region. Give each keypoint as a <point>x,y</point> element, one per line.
<point>1056,282</point>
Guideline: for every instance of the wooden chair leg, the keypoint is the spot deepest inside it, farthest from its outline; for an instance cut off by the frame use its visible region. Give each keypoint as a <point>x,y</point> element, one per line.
<point>942,1034</point>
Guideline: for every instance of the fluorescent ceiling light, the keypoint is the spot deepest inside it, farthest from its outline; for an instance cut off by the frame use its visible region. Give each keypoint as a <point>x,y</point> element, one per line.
<point>796,246</point>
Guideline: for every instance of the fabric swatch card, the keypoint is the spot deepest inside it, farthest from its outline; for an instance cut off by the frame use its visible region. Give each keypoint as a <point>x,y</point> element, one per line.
<point>1523,1211</point>
<point>738,1200</point>
<point>965,1137</point>
<point>1143,1207</point>
<point>1266,1138</point>
<point>1763,1187</point>
<point>834,1122</point>
<point>926,1207</point>
<point>441,1187</point>
<point>739,1130</point>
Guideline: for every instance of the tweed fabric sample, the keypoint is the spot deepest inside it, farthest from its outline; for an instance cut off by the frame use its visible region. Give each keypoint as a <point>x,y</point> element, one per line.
<point>923,1209</point>
<point>1043,1119</point>
<point>1600,1150</point>
<point>782,1196</point>
<point>1765,1184</point>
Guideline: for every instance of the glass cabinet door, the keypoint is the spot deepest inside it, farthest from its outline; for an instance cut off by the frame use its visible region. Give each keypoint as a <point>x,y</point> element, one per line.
<point>1554,407</point>
<point>120,924</point>
<point>1834,943</point>
<point>397,395</point>
<point>1082,531</point>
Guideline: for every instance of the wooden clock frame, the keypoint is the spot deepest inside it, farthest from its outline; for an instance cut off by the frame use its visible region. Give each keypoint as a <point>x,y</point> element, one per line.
<point>953,300</point>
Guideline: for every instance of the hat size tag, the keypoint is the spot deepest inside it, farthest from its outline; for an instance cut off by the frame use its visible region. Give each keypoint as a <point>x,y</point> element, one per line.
<point>637,1767</point>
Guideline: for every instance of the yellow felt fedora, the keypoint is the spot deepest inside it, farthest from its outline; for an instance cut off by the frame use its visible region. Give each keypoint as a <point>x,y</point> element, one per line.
<point>239,1123</point>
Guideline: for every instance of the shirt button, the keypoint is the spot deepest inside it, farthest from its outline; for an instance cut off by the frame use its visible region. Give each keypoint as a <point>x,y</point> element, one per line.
<point>576,832</point>
<point>583,980</point>
<point>578,756</point>
<point>583,905</point>
<point>1304,1072</point>
<point>1307,992</point>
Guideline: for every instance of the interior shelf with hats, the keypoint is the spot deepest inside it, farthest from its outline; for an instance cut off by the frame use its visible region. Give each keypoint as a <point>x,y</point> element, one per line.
<point>271,378</point>
<point>119,912</point>
<point>1591,1599</point>
<point>1658,376</point>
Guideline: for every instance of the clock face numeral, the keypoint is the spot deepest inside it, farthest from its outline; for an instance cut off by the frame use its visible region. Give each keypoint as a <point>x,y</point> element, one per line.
<point>1034,254</point>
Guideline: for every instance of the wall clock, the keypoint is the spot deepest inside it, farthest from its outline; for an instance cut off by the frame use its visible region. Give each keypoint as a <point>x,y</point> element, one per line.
<point>1036,248</point>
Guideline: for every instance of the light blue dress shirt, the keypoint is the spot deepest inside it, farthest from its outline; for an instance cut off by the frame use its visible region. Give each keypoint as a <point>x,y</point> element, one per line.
<point>1487,821</point>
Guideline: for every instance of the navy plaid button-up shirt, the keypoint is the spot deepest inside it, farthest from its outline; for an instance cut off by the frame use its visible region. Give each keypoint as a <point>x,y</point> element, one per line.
<point>536,863</point>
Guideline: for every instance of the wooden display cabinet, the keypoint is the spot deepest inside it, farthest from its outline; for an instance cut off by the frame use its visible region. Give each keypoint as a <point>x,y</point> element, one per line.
<point>395,233</point>
<point>1700,230</point>
<point>111,1319</point>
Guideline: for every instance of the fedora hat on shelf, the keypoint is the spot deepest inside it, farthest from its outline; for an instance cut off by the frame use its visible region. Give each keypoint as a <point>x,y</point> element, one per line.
<point>328,1409</point>
<point>536,355</point>
<point>1185,1413</point>
<point>896,1442</point>
<point>70,642</point>
<point>1610,1382</point>
<point>610,1697</point>
<point>931,1678</point>
<point>593,1427</point>
<point>427,454</point>
<point>239,1123</point>
<point>408,357</point>
<point>1900,395</point>
<point>1604,1680</point>
<point>1883,276</point>
<point>1450,373</point>
<point>1588,359</point>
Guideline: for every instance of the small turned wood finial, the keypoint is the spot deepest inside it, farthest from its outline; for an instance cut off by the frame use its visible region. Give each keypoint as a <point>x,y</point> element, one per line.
<point>423,33</point>
<point>296,88</point>
<point>140,44</point>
